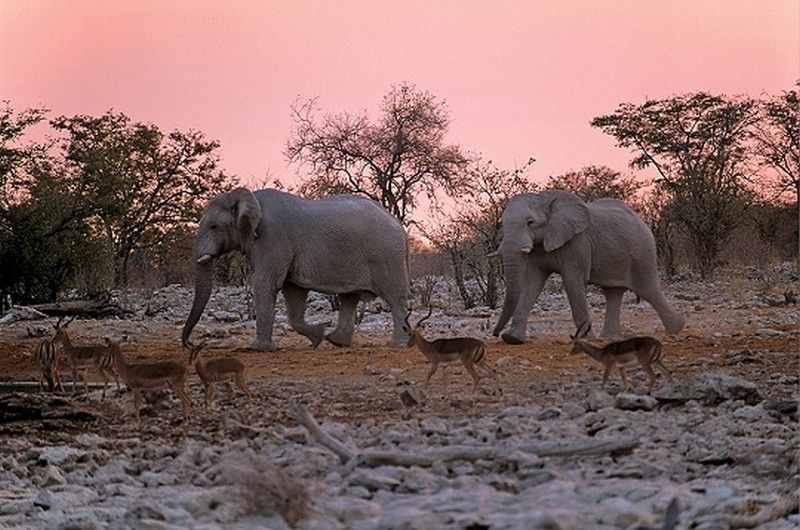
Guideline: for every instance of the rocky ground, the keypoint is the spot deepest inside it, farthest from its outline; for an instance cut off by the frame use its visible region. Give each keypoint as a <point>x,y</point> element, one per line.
<point>721,439</point>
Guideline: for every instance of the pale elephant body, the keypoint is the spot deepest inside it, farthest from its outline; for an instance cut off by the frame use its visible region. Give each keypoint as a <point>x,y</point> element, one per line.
<point>344,245</point>
<point>604,243</point>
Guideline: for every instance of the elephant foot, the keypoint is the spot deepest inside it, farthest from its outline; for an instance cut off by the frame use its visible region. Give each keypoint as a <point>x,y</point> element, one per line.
<point>402,340</point>
<point>340,340</point>
<point>508,338</point>
<point>316,335</point>
<point>263,345</point>
<point>675,326</point>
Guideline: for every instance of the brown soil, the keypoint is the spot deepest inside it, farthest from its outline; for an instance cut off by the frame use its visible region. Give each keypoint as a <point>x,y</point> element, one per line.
<point>334,380</point>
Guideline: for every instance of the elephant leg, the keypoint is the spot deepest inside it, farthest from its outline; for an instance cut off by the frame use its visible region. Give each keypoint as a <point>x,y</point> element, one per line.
<point>519,323</point>
<point>399,307</point>
<point>264,299</point>
<point>611,327</point>
<point>673,322</point>
<point>296,307</point>
<point>576,294</point>
<point>343,334</point>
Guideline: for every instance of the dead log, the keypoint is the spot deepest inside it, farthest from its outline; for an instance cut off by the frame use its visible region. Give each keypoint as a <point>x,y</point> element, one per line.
<point>31,407</point>
<point>582,447</point>
<point>81,308</point>
<point>429,457</point>
<point>304,418</point>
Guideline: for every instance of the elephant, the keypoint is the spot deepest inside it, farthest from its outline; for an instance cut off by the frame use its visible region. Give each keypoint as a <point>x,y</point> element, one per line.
<point>344,245</point>
<point>603,242</point>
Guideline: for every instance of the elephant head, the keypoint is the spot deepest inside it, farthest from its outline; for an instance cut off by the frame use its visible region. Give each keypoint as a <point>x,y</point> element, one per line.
<point>229,223</point>
<point>550,219</point>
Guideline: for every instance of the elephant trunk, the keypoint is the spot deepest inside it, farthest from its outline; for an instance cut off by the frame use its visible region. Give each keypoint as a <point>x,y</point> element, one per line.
<point>513,266</point>
<point>202,292</point>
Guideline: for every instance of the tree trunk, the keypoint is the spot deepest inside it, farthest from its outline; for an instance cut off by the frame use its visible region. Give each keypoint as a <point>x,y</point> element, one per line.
<point>797,196</point>
<point>491,285</point>
<point>458,273</point>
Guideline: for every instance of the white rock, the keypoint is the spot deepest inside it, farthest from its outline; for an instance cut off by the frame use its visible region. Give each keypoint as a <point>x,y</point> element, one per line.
<point>599,400</point>
<point>635,402</point>
<point>59,455</point>
<point>350,510</point>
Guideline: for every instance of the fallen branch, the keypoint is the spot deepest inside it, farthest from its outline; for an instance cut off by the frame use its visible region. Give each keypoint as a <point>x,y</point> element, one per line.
<point>582,447</point>
<point>82,308</point>
<point>429,457</point>
<point>304,418</point>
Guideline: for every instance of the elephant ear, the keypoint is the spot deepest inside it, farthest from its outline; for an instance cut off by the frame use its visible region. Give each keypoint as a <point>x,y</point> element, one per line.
<point>247,209</point>
<point>569,216</point>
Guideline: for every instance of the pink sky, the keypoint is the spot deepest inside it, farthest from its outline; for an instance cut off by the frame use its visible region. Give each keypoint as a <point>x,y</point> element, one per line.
<point>521,78</point>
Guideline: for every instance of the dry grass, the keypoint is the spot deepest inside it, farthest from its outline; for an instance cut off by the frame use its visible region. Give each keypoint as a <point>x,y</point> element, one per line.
<point>266,490</point>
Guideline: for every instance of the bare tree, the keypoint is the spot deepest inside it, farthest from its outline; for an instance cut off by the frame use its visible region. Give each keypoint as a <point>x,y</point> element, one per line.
<point>393,161</point>
<point>777,143</point>
<point>470,233</point>
<point>697,144</point>
<point>597,182</point>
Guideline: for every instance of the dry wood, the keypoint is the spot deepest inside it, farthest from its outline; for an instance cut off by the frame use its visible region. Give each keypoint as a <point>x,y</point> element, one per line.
<point>304,418</point>
<point>582,447</point>
<point>429,457</point>
<point>84,308</point>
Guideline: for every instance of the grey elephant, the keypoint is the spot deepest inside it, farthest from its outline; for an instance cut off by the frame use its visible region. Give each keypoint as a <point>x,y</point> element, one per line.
<point>344,245</point>
<point>603,242</point>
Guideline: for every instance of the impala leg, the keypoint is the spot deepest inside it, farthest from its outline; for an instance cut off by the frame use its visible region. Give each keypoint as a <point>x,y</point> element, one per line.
<point>57,375</point>
<point>606,374</point>
<point>136,403</point>
<point>625,384</point>
<point>208,389</point>
<point>181,393</point>
<point>74,378</point>
<point>242,383</point>
<point>430,374</point>
<point>474,375</point>
<point>664,370</point>
<point>652,377</point>
<point>104,375</point>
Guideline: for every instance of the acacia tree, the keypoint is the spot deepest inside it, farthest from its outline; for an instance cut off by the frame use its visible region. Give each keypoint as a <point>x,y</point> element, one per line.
<point>14,155</point>
<point>777,141</point>
<point>43,235</point>
<point>141,183</point>
<point>697,144</point>
<point>393,161</point>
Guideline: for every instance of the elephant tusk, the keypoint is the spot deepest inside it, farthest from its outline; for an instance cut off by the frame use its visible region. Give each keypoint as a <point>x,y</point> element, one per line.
<point>204,258</point>
<point>526,250</point>
<point>493,254</point>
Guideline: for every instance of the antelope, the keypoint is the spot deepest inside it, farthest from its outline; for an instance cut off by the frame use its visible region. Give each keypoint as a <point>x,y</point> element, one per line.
<point>47,362</point>
<point>645,350</point>
<point>83,357</point>
<point>142,376</point>
<point>471,352</point>
<point>218,370</point>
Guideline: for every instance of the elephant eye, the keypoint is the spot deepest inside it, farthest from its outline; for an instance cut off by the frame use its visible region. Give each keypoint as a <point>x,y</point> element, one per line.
<point>214,227</point>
